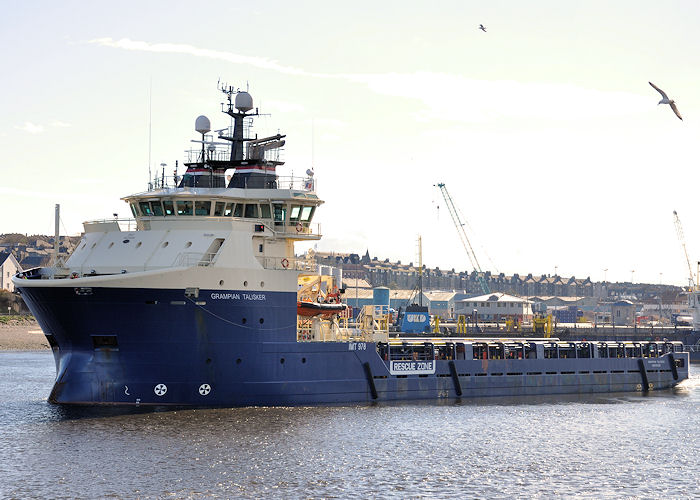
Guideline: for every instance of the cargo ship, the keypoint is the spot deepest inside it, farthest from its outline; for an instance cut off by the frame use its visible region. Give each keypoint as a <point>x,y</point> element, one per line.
<point>201,300</point>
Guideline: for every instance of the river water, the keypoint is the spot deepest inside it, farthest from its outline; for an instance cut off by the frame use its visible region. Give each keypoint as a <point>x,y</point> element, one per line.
<point>609,446</point>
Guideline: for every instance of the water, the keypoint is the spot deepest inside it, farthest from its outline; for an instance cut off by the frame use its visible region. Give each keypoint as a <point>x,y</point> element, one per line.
<point>609,446</point>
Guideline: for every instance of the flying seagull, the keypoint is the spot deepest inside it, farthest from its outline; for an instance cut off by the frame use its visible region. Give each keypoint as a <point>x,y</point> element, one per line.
<point>666,100</point>
<point>481,27</point>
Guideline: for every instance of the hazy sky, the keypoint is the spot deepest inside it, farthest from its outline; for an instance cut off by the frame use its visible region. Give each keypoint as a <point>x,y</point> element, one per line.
<point>544,128</point>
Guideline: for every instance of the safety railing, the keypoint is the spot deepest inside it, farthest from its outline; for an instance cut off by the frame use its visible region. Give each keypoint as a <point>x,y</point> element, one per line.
<point>293,264</point>
<point>296,229</point>
<point>319,330</point>
<point>303,184</point>
<point>125,225</point>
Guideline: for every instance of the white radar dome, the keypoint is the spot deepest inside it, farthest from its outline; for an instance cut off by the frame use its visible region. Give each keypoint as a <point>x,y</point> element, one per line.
<point>244,102</point>
<point>202,124</point>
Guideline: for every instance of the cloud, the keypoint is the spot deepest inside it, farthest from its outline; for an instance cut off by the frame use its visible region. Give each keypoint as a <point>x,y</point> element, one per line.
<point>448,96</point>
<point>34,128</point>
<point>468,100</point>
<point>182,48</point>
<point>30,128</point>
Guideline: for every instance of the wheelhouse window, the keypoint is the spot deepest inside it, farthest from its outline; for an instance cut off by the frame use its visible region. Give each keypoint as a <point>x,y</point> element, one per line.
<point>219,208</point>
<point>134,211</point>
<point>294,214</point>
<point>251,211</point>
<point>265,211</point>
<point>202,207</point>
<point>306,213</point>
<point>280,213</point>
<point>228,211</point>
<point>157,208</point>
<point>145,208</point>
<point>238,210</point>
<point>184,207</point>
<point>168,207</point>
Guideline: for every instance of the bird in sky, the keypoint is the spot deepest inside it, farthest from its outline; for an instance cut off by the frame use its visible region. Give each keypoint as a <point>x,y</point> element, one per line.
<point>481,27</point>
<point>666,100</point>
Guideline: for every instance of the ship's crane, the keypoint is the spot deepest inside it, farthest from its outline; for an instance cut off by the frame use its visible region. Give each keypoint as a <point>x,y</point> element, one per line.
<point>681,238</point>
<point>463,238</point>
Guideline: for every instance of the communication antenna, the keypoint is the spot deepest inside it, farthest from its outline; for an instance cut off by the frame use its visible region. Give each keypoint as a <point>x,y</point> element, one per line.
<point>150,95</point>
<point>313,135</point>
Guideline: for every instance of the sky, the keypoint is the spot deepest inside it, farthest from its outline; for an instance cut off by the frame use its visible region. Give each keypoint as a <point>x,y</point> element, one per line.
<point>543,128</point>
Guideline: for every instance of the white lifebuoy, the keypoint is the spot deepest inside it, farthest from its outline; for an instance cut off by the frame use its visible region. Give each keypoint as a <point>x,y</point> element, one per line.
<point>299,227</point>
<point>285,263</point>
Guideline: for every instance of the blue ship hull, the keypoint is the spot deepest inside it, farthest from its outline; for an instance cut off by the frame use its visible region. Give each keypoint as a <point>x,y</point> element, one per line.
<point>159,347</point>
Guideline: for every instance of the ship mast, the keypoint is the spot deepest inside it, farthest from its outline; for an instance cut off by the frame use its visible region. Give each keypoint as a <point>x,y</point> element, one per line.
<point>237,108</point>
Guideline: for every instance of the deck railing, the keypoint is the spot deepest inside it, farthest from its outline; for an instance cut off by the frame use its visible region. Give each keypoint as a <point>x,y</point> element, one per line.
<point>293,264</point>
<point>295,183</point>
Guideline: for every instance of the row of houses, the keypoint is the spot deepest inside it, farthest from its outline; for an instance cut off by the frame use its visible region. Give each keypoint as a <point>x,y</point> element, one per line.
<point>396,275</point>
<point>19,252</point>
<point>499,306</point>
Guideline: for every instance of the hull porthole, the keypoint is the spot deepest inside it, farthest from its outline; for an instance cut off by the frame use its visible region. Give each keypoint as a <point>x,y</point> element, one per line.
<point>160,389</point>
<point>204,389</point>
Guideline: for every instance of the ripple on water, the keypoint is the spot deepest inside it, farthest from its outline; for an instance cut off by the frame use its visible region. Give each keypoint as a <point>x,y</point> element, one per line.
<point>589,447</point>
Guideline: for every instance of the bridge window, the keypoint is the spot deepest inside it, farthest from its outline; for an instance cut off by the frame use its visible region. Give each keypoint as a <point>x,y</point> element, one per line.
<point>265,211</point>
<point>157,208</point>
<point>202,207</point>
<point>294,214</point>
<point>133,209</point>
<point>184,207</point>
<point>228,211</point>
<point>219,208</point>
<point>251,211</point>
<point>238,210</point>
<point>280,213</point>
<point>306,213</point>
<point>168,207</point>
<point>145,208</point>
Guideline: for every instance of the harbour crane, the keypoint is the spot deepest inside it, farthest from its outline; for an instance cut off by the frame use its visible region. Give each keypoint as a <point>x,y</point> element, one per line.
<point>463,238</point>
<point>681,238</point>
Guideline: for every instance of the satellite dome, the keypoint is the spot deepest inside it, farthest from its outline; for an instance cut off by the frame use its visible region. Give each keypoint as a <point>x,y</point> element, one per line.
<point>202,124</point>
<point>244,102</point>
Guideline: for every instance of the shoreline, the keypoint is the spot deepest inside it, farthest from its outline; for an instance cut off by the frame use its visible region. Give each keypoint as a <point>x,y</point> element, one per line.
<point>22,334</point>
